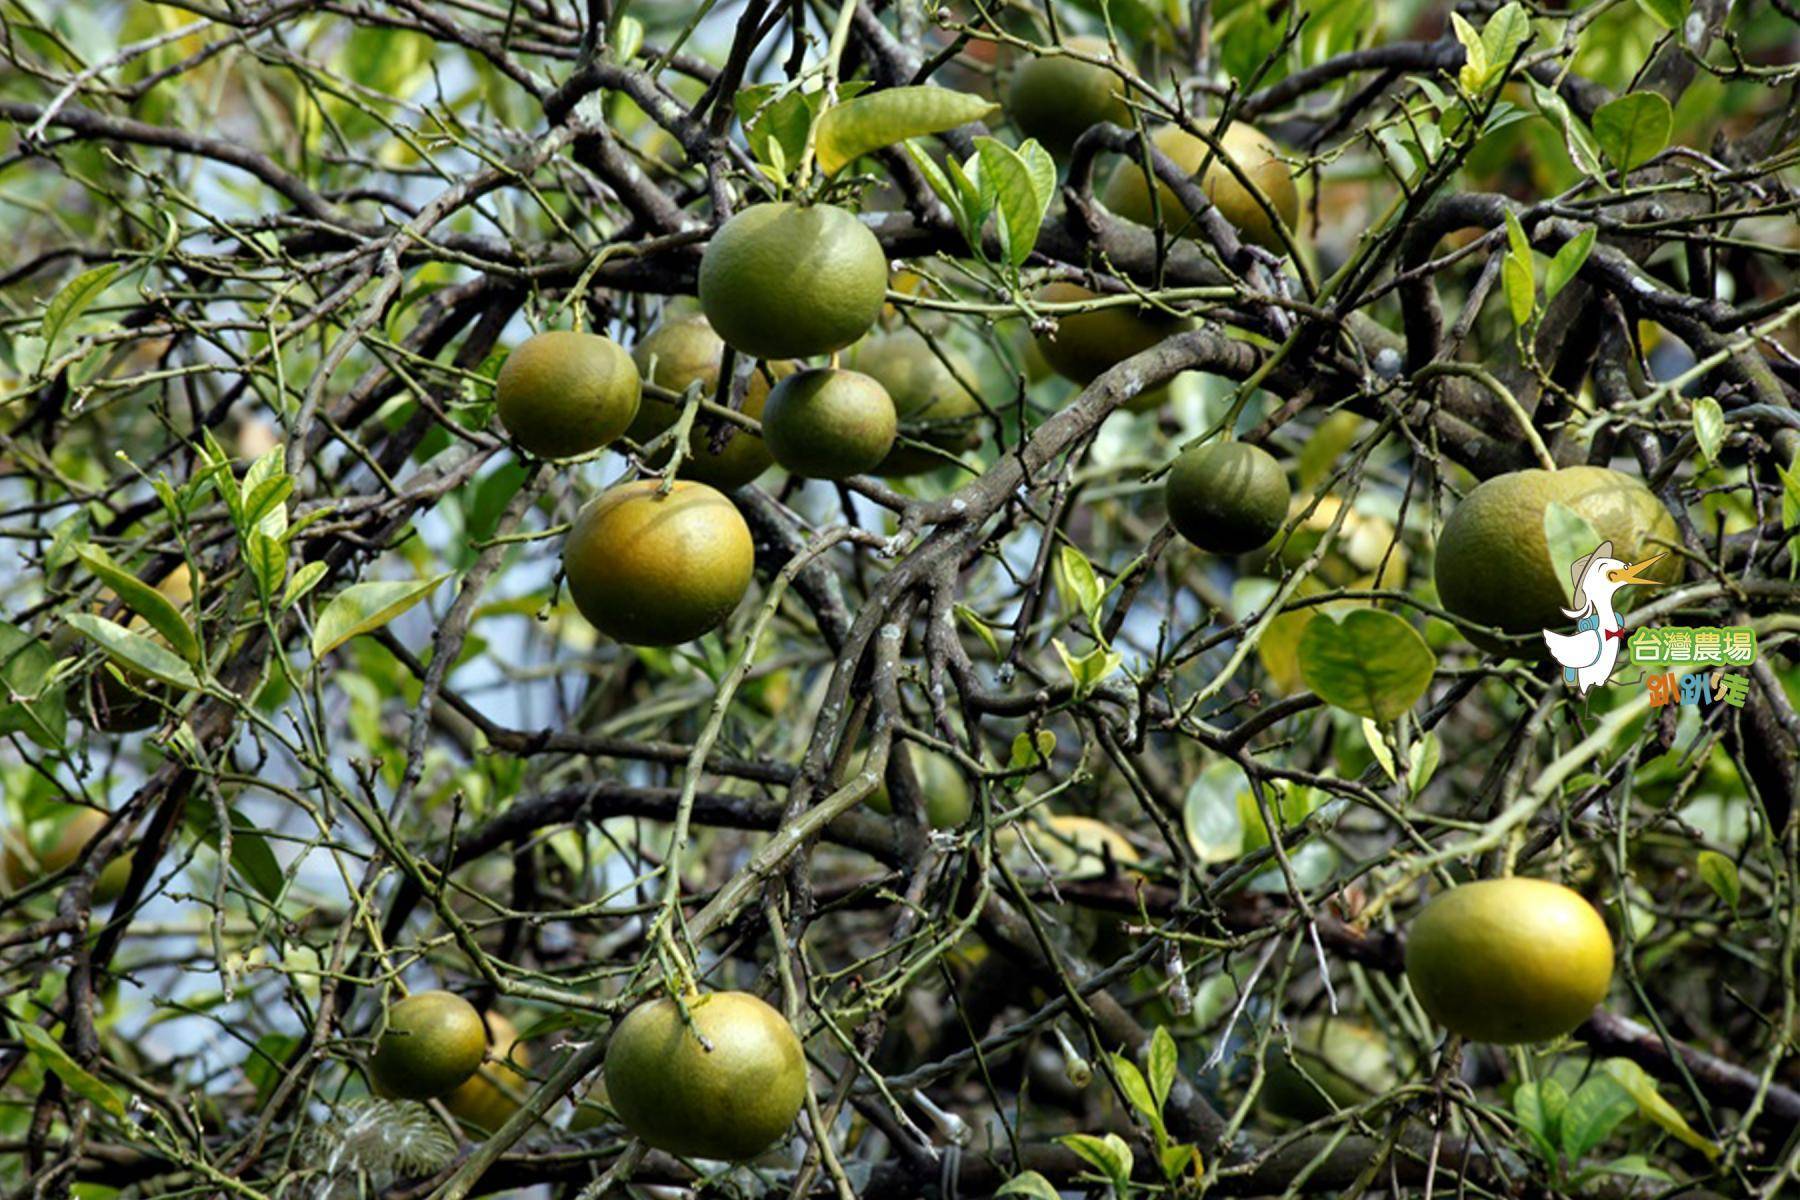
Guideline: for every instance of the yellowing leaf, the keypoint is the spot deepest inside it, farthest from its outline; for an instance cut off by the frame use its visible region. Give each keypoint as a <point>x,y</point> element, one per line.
<point>850,130</point>
<point>1657,1110</point>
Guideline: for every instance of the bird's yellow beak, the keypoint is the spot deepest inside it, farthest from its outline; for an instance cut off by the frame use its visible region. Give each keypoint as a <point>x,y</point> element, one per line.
<point>1635,572</point>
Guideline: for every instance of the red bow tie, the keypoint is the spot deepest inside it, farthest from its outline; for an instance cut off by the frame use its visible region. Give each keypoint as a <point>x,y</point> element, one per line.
<point>1614,633</point>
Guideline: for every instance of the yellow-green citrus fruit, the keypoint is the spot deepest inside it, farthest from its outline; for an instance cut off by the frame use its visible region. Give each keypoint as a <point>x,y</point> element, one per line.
<point>1227,497</point>
<point>1126,194</point>
<point>21,865</point>
<point>931,400</point>
<point>1364,546</point>
<point>1509,960</point>
<point>728,1098</point>
<point>485,1099</point>
<point>1086,345</point>
<point>948,802</point>
<point>563,393</point>
<point>433,1042</point>
<point>653,570</point>
<point>782,281</point>
<point>829,424</point>
<point>1072,847</point>
<point>684,349</point>
<point>1056,99</point>
<point>1348,1060</point>
<point>1493,560</point>
<point>124,702</point>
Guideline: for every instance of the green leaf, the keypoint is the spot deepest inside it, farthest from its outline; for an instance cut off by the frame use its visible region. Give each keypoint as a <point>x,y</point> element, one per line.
<point>1078,585</point>
<point>251,857</point>
<point>1137,1089</point>
<point>365,607</point>
<point>1593,1112</point>
<point>1474,73</point>
<point>977,626</point>
<point>1709,427</point>
<point>1516,239</point>
<point>1110,1154</point>
<point>775,126</point>
<point>1503,35</point>
<point>1567,536</point>
<point>1032,753</point>
<point>267,558</point>
<point>74,299</point>
<point>856,127</point>
<point>1521,291</point>
<point>1372,663</point>
<point>1090,670</point>
<point>1721,875</point>
<point>57,1061</point>
<point>1633,129</point>
<point>1422,756</point>
<point>1568,262</point>
<point>262,1067</point>
<point>1380,750</point>
<point>1029,1184</point>
<point>1658,1110</point>
<point>158,610</point>
<point>134,650</point>
<point>1164,1062</point>
<point>626,38</point>
<point>1012,192</point>
<point>1534,1121</point>
<point>1670,14</point>
<point>32,701</point>
<point>304,580</point>
<point>1576,138</point>
<point>1175,1159</point>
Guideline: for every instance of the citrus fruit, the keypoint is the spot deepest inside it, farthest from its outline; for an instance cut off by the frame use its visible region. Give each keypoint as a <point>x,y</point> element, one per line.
<point>1072,847</point>
<point>1493,560</point>
<point>1348,1060</point>
<point>782,281</point>
<point>563,393</point>
<point>1126,194</point>
<point>828,423</point>
<point>1056,98</point>
<point>486,1098</point>
<point>23,864</point>
<point>1227,497</point>
<point>1509,960</point>
<point>684,349</point>
<point>122,701</point>
<point>1086,345</point>
<point>946,793</point>
<point>653,570</point>
<point>729,1097</point>
<point>432,1043</point>
<point>932,401</point>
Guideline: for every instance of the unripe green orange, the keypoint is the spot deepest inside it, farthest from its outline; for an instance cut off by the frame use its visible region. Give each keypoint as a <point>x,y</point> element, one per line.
<point>1128,195</point>
<point>1227,497</point>
<point>948,802</point>
<point>828,423</point>
<point>727,1097</point>
<point>563,393</point>
<point>1056,98</point>
<point>485,1099</point>
<point>432,1043</point>
<point>1509,960</point>
<point>684,349</point>
<point>782,281</point>
<point>22,864</point>
<point>649,569</point>
<point>1087,345</point>
<point>932,400</point>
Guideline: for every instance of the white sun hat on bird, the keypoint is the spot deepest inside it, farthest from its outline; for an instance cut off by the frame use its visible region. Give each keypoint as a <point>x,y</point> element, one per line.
<point>1589,655</point>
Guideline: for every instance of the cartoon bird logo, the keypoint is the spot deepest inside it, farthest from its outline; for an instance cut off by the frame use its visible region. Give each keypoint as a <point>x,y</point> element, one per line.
<point>1589,655</point>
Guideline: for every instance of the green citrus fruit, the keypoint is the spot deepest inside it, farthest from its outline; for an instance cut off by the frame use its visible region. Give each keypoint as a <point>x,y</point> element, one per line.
<point>1509,960</point>
<point>432,1043</point>
<point>947,799</point>
<point>1227,497</point>
<point>21,864</point>
<point>930,398</point>
<point>1493,560</point>
<point>1086,345</point>
<point>1056,99</point>
<point>781,281</point>
<point>486,1098</point>
<point>685,349</point>
<point>829,424</point>
<point>1126,194</point>
<point>1348,1060</point>
<point>729,1097</point>
<point>653,570</point>
<point>563,393</point>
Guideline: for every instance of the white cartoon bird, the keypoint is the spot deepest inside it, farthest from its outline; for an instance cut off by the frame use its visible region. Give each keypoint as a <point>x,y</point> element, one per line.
<point>1590,653</point>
